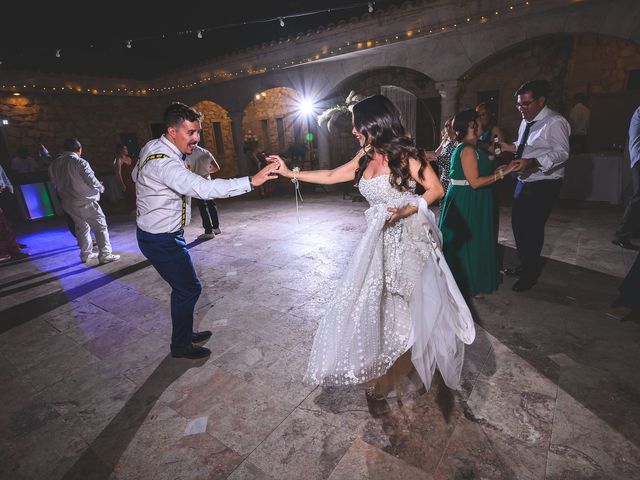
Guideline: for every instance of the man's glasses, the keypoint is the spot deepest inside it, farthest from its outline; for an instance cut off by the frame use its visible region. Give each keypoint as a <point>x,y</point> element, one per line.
<point>524,104</point>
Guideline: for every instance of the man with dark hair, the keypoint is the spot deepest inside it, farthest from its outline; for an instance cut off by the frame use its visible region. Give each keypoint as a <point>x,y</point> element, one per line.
<point>79,192</point>
<point>630,224</point>
<point>540,155</point>
<point>164,186</point>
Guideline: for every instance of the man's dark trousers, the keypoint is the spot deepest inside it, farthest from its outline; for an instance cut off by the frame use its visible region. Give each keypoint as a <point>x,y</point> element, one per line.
<point>168,253</point>
<point>630,225</point>
<point>532,203</point>
<point>209,215</point>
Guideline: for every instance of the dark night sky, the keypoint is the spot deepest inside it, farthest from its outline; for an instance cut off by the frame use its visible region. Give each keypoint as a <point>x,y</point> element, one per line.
<point>92,38</point>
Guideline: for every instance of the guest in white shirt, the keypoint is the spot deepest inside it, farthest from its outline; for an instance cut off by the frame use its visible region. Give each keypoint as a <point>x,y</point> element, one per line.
<point>164,186</point>
<point>79,192</point>
<point>540,155</point>
<point>204,164</point>
<point>579,118</point>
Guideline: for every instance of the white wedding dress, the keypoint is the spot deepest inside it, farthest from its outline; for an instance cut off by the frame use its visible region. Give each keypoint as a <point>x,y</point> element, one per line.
<point>396,294</point>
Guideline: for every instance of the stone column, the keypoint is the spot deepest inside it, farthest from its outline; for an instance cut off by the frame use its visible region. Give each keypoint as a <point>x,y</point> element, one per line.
<point>238,142</point>
<point>448,91</point>
<point>323,147</point>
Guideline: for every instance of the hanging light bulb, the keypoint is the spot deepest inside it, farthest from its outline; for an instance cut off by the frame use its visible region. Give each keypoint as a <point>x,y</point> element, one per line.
<point>129,43</point>
<point>58,53</point>
<point>281,21</point>
<point>199,35</point>
<point>370,7</point>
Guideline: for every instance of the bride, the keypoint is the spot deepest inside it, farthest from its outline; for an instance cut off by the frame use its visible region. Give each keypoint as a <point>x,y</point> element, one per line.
<point>397,294</point>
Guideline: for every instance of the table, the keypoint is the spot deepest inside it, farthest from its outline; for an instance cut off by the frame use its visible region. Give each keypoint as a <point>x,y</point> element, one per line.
<point>594,177</point>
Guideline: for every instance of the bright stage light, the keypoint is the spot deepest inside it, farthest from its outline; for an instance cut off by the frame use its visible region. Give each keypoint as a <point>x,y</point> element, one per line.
<point>307,106</point>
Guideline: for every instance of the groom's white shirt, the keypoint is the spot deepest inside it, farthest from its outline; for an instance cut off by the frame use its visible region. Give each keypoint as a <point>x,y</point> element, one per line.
<point>164,187</point>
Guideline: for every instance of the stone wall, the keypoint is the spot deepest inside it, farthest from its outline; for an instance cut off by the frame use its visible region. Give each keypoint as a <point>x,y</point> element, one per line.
<point>225,154</point>
<point>544,58</point>
<point>600,64</point>
<point>274,103</point>
<point>97,121</point>
<point>587,63</point>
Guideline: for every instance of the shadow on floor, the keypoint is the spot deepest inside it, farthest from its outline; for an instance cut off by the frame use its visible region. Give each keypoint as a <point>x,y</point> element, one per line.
<point>102,456</point>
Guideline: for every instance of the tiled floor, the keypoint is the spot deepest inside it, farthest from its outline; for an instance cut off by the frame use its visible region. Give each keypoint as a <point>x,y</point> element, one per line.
<point>90,392</point>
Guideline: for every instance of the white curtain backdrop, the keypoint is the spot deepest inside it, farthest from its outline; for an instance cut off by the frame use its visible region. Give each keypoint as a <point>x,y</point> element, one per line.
<point>406,103</point>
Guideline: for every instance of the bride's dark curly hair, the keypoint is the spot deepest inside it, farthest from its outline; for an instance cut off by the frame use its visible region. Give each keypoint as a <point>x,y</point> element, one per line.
<point>379,121</point>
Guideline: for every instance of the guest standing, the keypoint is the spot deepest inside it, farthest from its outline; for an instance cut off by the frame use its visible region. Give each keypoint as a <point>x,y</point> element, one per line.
<point>123,166</point>
<point>204,164</point>
<point>630,225</point>
<point>540,155</point>
<point>579,118</point>
<point>79,191</point>
<point>467,218</point>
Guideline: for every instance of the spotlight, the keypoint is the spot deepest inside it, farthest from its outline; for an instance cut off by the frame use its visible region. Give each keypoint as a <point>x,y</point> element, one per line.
<point>307,106</point>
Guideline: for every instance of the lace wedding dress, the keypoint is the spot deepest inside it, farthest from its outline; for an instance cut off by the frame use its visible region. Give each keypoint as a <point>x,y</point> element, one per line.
<point>396,294</point>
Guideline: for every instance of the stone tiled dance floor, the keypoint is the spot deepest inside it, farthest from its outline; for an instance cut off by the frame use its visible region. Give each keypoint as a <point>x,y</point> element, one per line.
<point>89,391</point>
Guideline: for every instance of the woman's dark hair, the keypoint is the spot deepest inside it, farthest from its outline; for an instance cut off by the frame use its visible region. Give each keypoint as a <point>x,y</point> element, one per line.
<point>119,148</point>
<point>461,122</point>
<point>379,121</point>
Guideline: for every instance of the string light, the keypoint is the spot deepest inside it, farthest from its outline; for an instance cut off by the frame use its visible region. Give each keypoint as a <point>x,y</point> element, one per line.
<point>370,7</point>
<point>346,47</point>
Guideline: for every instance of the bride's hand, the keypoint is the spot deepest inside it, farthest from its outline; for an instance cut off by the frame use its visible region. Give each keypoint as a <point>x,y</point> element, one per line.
<point>282,168</point>
<point>400,213</point>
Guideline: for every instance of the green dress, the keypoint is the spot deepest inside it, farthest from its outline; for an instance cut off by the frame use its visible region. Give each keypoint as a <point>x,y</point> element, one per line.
<point>467,224</point>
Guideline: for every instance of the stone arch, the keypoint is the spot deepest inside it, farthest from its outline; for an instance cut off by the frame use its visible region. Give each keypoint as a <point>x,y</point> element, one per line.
<point>369,82</point>
<point>272,121</point>
<point>217,136</point>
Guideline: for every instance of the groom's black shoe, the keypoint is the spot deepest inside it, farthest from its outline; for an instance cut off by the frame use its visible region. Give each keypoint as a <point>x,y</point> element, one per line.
<point>523,284</point>
<point>192,352</point>
<point>197,337</point>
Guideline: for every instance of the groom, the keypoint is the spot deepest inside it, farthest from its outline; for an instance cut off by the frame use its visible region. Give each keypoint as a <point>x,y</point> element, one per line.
<point>164,187</point>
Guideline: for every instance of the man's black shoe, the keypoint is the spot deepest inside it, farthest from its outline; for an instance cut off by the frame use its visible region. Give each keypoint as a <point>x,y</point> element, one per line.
<point>512,271</point>
<point>625,243</point>
<point>197,337</point>
<point>523,284</point>
<point>192,352</point>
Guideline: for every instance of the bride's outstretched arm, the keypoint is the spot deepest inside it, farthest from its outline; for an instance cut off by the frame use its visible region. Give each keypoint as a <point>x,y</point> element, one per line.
<point>343,173</point>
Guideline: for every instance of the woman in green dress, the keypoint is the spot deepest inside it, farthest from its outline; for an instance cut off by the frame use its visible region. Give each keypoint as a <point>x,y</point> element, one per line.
<point>467,219</point>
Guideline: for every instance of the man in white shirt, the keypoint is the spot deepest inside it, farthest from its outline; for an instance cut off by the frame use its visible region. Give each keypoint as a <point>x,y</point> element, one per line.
<point>579,118</point>
<point>163,189</point>
<point>204,164</point>
<point>540,155</point>
<point>79,192</point>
